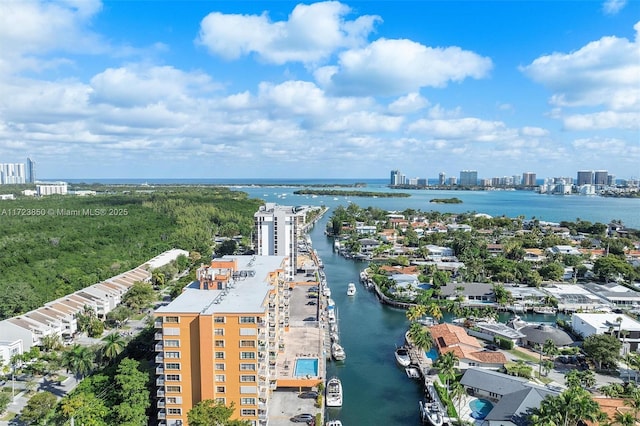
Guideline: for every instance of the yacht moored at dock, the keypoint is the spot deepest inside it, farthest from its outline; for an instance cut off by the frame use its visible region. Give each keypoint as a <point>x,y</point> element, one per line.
<point>337,352</point>
<point>334,392</point>
<point>402,356</point>
<point>430,413</point>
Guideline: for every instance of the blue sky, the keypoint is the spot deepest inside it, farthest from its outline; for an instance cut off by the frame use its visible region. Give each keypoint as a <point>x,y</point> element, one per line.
<point>251,89</point>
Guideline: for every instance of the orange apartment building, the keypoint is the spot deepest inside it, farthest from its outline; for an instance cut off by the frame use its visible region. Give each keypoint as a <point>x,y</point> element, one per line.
<point>220,338</point>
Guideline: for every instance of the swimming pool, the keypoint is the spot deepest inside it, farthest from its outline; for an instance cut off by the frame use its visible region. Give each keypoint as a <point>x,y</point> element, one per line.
<point>480,408</point>
<point>306,367</point>
<point>432,354</point>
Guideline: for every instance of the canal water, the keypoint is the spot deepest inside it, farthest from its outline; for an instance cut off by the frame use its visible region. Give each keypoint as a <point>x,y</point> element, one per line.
<point>376,390</point>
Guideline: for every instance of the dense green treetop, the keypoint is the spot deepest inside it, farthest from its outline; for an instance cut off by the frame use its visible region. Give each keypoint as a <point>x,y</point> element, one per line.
<point>53,246</point>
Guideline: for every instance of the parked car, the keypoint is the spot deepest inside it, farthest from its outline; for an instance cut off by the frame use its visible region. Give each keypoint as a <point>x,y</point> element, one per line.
<point>308,395</point>
<point>311,302</point>
<point>303,418</point>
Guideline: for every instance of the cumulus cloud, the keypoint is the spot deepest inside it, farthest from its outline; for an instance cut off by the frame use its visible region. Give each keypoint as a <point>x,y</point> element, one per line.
<point>604,73</point>
<point>603,120</point>
<point>410,103</point>
<point>312,33</point>
<point>391,67</point>
<point>140,85</point>
<point>31,27</point>
<point>612,7</point>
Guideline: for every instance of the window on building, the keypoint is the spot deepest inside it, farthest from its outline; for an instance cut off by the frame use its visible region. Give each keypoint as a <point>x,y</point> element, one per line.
<point>247,401</point>
<point>247,343</point>
<point>218,332</point>
<point>174,411</point>
<point>219,355</point>
<point>174,400</point>
<point>220,389</point>
<point>219,320</point>
<point>247,355</point>
<point>247,320</point>
<point>173,377</point>
<point>172,366</point>
<point>220,366</point>
<point>219,343</point>
<point>172,343</point>
<point>247,367</point>
<point>171,331</point>
<point>172,320</point>
<point>248,412</point>
<point>222,401</point>
<point>248,378</point>
<point>173,389</point>
<point>172,354</point>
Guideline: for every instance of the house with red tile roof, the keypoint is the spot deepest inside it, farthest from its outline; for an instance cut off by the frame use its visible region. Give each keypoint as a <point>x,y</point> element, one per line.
<point>469,351</point>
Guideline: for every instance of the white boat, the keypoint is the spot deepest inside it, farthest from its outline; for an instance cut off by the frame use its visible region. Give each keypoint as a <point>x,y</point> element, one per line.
<point>545,310</point>
<point>334,392</point>
<point>351,289</point>
<point>335,337</point>
<point>428,321</point>
<point>326,292</point>
<point>430,413</point>
<point>412,372</point>
<point>333,423</point>
<point>337,352</point>
<point>402,356</point>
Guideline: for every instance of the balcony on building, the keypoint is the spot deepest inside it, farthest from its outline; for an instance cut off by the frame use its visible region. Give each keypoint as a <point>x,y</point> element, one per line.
<point>160,403</point>
<point>157,335</point>
<point>160,393</point>
<point>160,381</point>
<point>159,347</point>
<point>157,323</point>
<point>162,415</point>
<point>160,370</point>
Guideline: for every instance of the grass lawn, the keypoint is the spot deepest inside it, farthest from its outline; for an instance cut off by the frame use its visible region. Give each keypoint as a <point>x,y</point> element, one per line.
<point>523,356</point>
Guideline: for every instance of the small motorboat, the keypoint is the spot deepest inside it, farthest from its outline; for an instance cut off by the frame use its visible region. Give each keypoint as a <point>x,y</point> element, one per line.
<point>402,356</point>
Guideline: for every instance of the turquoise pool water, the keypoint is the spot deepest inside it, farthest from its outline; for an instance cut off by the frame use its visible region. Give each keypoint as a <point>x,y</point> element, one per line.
<point>432,354</point>
<point>480,408</point>
<point>306,367</point>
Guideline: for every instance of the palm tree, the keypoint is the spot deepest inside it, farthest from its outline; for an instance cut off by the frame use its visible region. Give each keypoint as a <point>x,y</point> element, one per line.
<point>548,348</point>
<point>51,342</point>
<point>457,393</point>
<point>624,419</point>
<point>416,312</point>
<point>619,322</point>
<point>435,311</point>
<point>79,360</point>
<point>114,344</point>
<point>420,336</point>
<point>567,409</point>
<point>446,364</point>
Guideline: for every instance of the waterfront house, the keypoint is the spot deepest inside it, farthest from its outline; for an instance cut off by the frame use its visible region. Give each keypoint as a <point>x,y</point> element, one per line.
<point>489,330</point>
<point>620,325</point>
<point>495,386</point>
<point>368,245</point>
<point>574,297</point>
<point>470,294</point>
<point>469,351</point>
<point>514,409</point>
<point>616,294</point>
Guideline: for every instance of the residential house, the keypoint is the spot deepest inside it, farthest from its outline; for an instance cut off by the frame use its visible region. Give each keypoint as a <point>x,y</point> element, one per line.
<point>495,386</point>
<point>469,351</point>
<point>470,294</point>
<point>620,325</point>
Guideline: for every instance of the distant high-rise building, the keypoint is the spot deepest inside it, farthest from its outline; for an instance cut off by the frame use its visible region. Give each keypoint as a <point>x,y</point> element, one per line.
<point>442,178</point>
<point>452,181</point>
<point>276,232</point>
<point>468,178</point>
<point>529,179</point>
<point>585,177</point>
<point>12,173</point>
<point>31,171</point>
<point>423,182</point>
<point>611,180</point>
<point>600,178</point>
<point>516,180</point>
<point>394,177</point>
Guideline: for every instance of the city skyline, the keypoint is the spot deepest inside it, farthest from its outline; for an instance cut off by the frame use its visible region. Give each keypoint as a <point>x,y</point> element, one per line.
<point>320,90</point>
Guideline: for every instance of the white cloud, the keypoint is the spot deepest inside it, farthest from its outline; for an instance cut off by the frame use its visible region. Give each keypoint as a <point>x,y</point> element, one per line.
<point>398,66</point>
<point>31,27</point>
<point>410,103</point>
<point>140,85</point>
<point>311,33</point>
<point>603,120</point>
<point>468,128</point>
<point>604,73</point>
<point>612,7</point>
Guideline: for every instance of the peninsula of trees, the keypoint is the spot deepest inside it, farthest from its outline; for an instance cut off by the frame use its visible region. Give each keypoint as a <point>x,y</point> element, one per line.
<point>340,193</point>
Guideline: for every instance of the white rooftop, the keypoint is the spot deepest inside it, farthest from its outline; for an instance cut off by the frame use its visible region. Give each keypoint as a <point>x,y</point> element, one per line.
<point>604,321</point>
<point>166,258</point>
<point>245,295</point>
